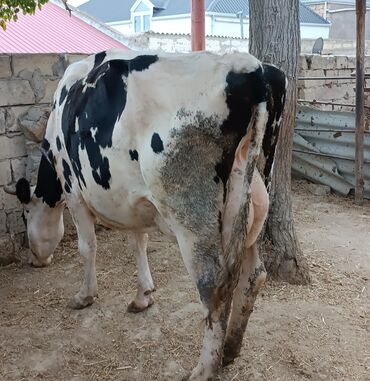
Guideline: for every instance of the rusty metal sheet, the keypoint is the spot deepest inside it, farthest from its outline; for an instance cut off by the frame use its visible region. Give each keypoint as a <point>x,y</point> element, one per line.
<point>324,149</point>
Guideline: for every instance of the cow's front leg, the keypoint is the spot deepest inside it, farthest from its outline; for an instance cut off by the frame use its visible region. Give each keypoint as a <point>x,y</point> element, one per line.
<point>252,278</point>
<point>85,226</point>
<point>145,285</point>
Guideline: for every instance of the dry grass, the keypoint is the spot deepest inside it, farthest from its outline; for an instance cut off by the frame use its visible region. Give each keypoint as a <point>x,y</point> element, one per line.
<point>318,332</point>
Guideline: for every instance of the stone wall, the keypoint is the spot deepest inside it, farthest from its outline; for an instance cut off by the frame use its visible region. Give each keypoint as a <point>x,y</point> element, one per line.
<point>336,91</point>
<point>27,85</point>
<point>181,43</point>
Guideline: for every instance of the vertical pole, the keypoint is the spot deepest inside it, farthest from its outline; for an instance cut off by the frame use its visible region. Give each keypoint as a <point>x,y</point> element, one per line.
<point>198,30</point>
<point>240,15</point>
<point>360,114</point>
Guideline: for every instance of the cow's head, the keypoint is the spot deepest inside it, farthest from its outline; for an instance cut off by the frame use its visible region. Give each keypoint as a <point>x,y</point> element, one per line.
<point>44,222</point>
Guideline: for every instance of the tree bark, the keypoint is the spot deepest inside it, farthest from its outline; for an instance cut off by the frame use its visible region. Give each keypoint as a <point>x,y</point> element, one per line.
<point>275,38</point>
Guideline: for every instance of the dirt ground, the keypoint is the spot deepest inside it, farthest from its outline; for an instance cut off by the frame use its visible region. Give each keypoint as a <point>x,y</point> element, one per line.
<point>316,332</point>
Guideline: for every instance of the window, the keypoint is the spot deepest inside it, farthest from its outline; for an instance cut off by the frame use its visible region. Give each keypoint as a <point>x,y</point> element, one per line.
<point>141,8</point>
<point>146,22</point>
<point>137,23</point>
<point>141,15</point>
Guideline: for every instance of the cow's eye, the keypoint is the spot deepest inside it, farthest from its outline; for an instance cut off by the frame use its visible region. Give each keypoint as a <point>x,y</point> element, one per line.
<point>27,211</point>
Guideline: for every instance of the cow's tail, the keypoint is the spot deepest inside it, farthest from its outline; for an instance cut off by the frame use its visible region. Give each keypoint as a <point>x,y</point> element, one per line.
<point>248,151</point>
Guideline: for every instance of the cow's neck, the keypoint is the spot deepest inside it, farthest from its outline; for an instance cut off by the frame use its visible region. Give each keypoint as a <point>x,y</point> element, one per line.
<point>48,186</point>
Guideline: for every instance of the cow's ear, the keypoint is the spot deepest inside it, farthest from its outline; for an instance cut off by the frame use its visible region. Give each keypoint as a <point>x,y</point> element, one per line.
<point>23,190</point>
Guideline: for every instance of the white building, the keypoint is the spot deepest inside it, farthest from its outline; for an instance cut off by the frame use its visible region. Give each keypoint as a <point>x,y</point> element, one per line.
<point>223,17</point>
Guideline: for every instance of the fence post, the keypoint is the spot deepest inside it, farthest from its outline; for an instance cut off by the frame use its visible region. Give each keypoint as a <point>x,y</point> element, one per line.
<point>360,97</point>
<point>198,35</point>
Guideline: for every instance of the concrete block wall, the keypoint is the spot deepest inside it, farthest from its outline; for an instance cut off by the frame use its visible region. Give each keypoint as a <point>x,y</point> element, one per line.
<point>337,91</point>
<point>181,43</point>
<point>27,86</point>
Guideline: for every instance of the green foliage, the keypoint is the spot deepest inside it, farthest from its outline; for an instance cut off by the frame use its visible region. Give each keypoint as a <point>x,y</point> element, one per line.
<point>9,9</point>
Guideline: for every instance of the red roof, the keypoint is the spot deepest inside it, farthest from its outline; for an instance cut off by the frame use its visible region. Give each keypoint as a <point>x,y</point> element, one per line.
<point>52,30</point>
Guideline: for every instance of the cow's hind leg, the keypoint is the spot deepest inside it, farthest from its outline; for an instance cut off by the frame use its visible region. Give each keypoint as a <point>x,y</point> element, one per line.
<point>252,278</point>
<point>85,226</point>
<point>204,261</point>
<point>145,285</point>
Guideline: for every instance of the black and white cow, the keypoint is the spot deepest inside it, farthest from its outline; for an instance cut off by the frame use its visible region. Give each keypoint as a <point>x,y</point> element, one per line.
<point>144,142</point>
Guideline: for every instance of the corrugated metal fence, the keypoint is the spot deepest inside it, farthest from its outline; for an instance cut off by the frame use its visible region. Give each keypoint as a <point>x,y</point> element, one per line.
<point>324,149</point>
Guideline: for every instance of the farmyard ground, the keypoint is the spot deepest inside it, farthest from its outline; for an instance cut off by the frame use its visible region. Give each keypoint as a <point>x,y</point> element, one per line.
<point>319,332</point>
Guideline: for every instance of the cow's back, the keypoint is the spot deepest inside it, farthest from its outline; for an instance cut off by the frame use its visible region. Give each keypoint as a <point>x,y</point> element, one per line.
<point>141,130</point>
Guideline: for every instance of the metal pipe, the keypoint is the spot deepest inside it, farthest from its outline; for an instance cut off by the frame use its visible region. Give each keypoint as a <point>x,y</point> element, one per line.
<point>328,103</point>
<point>367,76</point>
<point>326,10</point>
<point>325,155</point>
<point>198,29</point>
<point>360,100</point>
<point>343,10</point>
<point>319,130</point>
<point>240,16</point>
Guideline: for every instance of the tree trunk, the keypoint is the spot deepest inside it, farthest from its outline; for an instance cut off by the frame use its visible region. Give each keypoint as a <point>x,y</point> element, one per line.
<point>275,38</point>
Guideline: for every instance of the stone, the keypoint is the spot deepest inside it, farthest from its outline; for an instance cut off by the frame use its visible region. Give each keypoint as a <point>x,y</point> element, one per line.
<point>60,66</point>
<point>12,147</point>
<point>11,249</point>
<point>322,62</point>
<point>5,68</point>
<point>25,74</point>
<point>8,201</point>
<point>303,63</point>
<point>36,81</point>
<point>5,172</point>
<point>15,92</point>
<point>72,58</point>
<point>327,93</point>
<point>38,85</point>
<point>341,62</point>
<point>7,250</point>
<point>15,222</point>
<point>12,115</point>
<point>2,120</point>
<point>50,87</point>
<point>33,122</point>
<point>318,189</point>
<point>3,229</point>
<point>33,161</point>
<point>44,62</point>
<point>18,168</point>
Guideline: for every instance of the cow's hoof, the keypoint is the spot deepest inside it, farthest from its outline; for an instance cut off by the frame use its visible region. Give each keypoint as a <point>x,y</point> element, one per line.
<point>40,262</point>
<point>135,307</point>
<point>78,303</point>
<point>227,361</point>
<point>189,377</point>
<point>230,354</point>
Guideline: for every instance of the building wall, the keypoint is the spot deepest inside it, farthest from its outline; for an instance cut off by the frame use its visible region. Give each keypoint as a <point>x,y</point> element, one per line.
<point>171,25</point>
<point>214,25</point>
<point>343,24</point>
<point>182,43</point>
<point>124,28</point>
<point>177,43</point>
<point>313,31</point>
<point>27,85</point>
<point>229,26</point>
